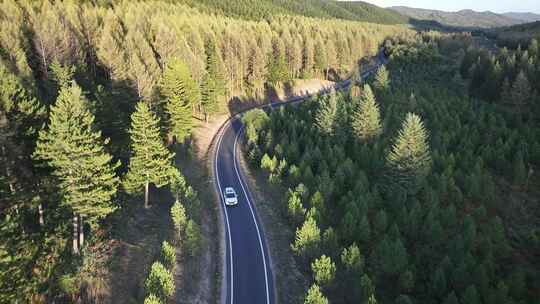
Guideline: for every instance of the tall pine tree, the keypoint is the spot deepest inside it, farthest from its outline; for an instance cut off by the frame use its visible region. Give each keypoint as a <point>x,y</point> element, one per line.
<point>74,150</point>
<point>182,93</point>
<point>150,161</point>
<point>325,117</point>
<point>366,120</point>
<point>213,87</point>
<point>382,80</point>
<point>410,159</point>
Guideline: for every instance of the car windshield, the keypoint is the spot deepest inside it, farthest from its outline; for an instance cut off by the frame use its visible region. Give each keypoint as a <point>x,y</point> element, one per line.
<point>230,195</point>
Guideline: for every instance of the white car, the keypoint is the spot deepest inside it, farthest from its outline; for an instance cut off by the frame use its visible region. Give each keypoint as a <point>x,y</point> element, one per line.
<point>231,198</point>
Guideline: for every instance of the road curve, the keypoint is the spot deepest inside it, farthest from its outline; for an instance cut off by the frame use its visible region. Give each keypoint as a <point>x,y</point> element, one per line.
<point>248,273</point>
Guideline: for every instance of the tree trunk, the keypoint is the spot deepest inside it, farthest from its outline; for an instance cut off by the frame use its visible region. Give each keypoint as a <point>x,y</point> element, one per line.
<point>75,235</point>
<point>146,194</point>
<point>40,212</point>
<point>81,232</point>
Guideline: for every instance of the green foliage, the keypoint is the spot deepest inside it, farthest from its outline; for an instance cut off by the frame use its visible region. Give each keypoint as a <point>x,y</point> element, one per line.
<point>326,114</point>
<point>179,219</point>
<point>159,282</point>
<point>62,75</point>
<point>193,240</point>
<point>213,86</point>
<point>324,271</point>
<point>150,161</point>
<point>75,151</point>
<point>366,121</point>
<point>254,121</point>
<point>168,255</point>
<point>410,158</point>
<point>182,94</point>
<point>295,208</point>
<point>152,299</point>
<point>382,79</point>
<point>315,296</point>
<point>352,259</point>
<point>307,240</point>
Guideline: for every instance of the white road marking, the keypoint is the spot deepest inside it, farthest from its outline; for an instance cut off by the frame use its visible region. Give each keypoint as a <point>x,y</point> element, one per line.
<point>252,214</point>
<point>225,209</point>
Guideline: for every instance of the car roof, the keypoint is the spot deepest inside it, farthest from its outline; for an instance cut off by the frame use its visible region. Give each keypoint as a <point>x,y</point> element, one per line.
<point>229,189</point>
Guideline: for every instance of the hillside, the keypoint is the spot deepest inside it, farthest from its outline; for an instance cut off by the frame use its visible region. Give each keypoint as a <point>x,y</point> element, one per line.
<point>512,36</point>
<point>463,18</point>
<point>527,17</point>
<point>349,10</point>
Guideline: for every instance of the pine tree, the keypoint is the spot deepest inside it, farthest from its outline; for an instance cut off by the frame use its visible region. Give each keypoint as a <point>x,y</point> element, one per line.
<point>150,161</point>
<point>382,80</point>
<point>183,94</point>
<point>521,92</point>
<point>324,270</point>
<point>152,299</point>
<point>366,120</point>
<point>213,87</point>
<point>410,159</point>
<point>75,151</point>
<point>308,238</point>
<point>352,259</point>
<point>451,299</point>
<point>315,296</point>
<point>518,169</point>
<point>325,117</point>
<point>179,219</point>
<point>471,296</point>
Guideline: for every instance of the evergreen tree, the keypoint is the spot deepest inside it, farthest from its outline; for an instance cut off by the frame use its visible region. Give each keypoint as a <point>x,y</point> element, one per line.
<point>352,259</point>
<point>325,117</point>
<point>183,94</point>
<point>451,299</point>
<point>213,86</point>
<point>179,219</point>
<point>471,296</point>
<point>521,92</point>
<point>315,296</point>
<point>410,159</point>
<point>308,238</point>
<point>160,281</point>
<point>75,151</point>
<point>152,299</point>
<point>518,169</point>
<point>366,120</point>
<point>382,80</point>
<point>150,162</point>
<point>324,270</point>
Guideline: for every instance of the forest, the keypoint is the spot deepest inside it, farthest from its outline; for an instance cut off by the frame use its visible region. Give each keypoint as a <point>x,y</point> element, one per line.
<point>417,186</point>
<point>98,103</point>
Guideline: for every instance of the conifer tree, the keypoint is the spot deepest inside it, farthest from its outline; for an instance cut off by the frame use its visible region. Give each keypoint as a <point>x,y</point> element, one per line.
<point>521,92</point>
<point>150,161</point>
<point>366,120</point>
<point>75,151</point>
<point>315,296</point>
<point>325,117</point>
<point>324,270</point>
<point>182,93</point>
<point>308,238</point>
<point>410,159</point>
<point>382,81</point>
<point>213,86</point>
<point>451,299</point>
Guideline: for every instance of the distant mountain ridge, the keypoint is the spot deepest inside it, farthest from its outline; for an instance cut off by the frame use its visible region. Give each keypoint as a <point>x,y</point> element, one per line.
<point>467,18</point>
<point>347,10</point>
<point>527,17</point>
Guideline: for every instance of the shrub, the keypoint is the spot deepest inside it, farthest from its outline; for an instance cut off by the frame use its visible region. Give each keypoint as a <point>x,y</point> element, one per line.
<point>68,284</point>
<point>179,219</point>
<point>160,281</point>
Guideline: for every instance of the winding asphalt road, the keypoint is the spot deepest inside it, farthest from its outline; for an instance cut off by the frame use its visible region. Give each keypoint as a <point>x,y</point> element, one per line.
<point>248,274</point>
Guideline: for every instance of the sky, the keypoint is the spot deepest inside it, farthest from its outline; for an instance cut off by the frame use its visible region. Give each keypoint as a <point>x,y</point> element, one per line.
<point>498,6</point>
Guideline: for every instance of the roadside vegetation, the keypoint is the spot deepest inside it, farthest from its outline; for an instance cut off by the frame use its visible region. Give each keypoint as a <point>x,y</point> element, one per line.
<point>418,186</point>
<point>98,103</point>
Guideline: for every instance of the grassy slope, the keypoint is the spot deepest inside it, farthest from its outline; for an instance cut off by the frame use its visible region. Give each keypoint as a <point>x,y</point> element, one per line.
<point>354,10</point>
